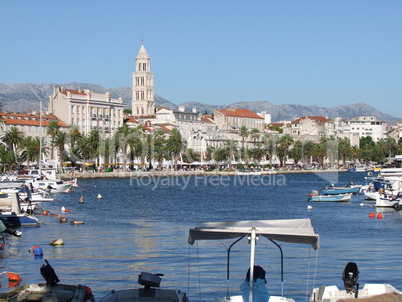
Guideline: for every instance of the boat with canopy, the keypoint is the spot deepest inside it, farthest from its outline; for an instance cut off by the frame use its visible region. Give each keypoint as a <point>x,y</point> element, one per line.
<point>298,231</point>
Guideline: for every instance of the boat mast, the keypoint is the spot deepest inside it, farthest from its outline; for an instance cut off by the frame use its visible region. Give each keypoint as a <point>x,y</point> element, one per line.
<point>40,140</point>
<point>252,239</point>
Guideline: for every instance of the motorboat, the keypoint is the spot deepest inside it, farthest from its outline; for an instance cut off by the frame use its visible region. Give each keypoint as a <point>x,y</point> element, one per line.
<point>11,212</point>
<point>332,190</point>
<point>376,292</point>
<point>54,186</point>
<point>149,292</point>
<point>298,231</point>
<point>387,200</point>
<point>316,197</point>
<point>51,291</point>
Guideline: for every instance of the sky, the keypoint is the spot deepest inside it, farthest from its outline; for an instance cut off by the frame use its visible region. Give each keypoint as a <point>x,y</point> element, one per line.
<point>307,52</point>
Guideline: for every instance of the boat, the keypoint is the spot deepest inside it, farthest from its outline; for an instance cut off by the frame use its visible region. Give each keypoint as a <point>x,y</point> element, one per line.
<point>149,292</point>
<point>51,291</point>
<point>45,179</point>
<point>282,230</point>
<point>371,292</point>
<point>387,200</point>
<point>330,198</point>
<point>395,169</point>
<point>11,212</point>
<point>332,190</point>
<point>54,186</point>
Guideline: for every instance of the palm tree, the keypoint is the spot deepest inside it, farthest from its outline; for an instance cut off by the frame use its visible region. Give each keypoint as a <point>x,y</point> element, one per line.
<point>231,148</point>
<point>84,148</point>
<point>296,153</point>
<point>308,151</point>
<point>344,149</point>
<point>26,145</point>
<point>243,133</point>
<point>59,142</point>
<point>175,144</point>
<point>254,135</point>
<point>74,135</point>
<point>13,137</point>
<point>269,146</point>
<point>282,146</point>
<point>52,130</point>
<point>124,134</point>
<point>355,152</point>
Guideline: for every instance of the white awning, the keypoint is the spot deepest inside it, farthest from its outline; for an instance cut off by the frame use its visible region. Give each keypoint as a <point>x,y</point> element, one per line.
<point>285,230</point>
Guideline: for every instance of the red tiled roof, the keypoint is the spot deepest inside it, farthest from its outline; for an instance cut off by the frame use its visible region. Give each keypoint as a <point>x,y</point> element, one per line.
<point>29,119</point>
<point>72,92</point>
<point>319,119</point>
<point>240,113</point>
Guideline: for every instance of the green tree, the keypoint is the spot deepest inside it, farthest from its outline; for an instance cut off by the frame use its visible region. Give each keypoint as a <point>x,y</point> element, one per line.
<point>175,144</point>
<point>231,149</point>
<point>125,135</point>
<point>52,130</point>
<point>344,149</point>
<point>282,147</point>
<point>243,133</point>
<point>13,138</point>
<point>296,153</point>
<point>85,150</point>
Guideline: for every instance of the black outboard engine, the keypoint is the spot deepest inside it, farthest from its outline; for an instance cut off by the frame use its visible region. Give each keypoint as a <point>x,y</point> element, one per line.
<point>350,276</point>
<point>148,280</point>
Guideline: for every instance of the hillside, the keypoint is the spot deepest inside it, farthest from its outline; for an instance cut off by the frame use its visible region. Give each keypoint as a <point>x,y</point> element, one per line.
<point>21,97</point>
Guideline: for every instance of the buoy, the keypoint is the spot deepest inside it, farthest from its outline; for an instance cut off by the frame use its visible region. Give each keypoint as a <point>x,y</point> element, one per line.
<point>63,209</point>
<point>311,194</point>
<point>63,219</point>
<point>75,222</point>
<point>81,200</point>
<point>67,210</point>
<point>379,216</point>
<point>362,204</point>
<point>57,242</point>
<point>36,250</point>
<point>99,196</point>
<point>372,215</point>
<point>13,276</point>
<point>309,208</point>
<point>44,212</point>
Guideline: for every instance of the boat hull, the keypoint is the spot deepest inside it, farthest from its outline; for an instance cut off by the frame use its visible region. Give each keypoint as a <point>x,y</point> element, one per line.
<point>331,198</point>
<point>332,293</point>
<point>336,191</point>
<point>142,294</point>
<point>45,292</point>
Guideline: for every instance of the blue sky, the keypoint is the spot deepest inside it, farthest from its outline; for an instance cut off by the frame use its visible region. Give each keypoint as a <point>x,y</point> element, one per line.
<point>323,53</point>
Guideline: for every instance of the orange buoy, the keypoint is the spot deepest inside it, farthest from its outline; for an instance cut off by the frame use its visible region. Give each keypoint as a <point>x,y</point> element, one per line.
<point>44,212</point>
<point>67,210</point>
<point>372,215</point>
<point>379,216</point>
<point>13,276</point>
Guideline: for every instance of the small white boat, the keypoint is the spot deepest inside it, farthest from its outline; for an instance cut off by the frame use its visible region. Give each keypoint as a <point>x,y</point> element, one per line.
<point>330,198</point>
<point>386,200</point>
<point>373,292</point>
<point>54,186</point>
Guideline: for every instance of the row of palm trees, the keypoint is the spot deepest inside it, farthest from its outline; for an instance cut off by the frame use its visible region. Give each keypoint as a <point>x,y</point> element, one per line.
<point>135,143</point>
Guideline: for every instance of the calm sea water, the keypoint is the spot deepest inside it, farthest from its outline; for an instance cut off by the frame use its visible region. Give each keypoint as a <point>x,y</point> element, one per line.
<point>142,225</point>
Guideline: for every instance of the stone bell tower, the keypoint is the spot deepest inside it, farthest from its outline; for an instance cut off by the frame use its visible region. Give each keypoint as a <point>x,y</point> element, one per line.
<point>143,100</point>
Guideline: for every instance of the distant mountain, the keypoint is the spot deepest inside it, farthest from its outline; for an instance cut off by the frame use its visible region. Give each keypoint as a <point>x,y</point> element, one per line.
<point>23,97</point>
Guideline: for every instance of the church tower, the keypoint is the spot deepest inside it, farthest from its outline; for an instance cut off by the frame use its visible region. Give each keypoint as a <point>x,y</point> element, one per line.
<point>143,101</point>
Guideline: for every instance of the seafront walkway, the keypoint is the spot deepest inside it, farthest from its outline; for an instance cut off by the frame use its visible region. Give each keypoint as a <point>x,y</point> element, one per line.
<point>89,175</point>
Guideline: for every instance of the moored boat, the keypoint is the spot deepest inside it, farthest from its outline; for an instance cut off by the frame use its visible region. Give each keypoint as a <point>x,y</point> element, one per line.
<point>283,230</point>
<point>149,292</point>
<point>373,292</point>
<point>330,198</point>
<point>11,212</point>
<point>341,190</point>
<point>51,291</point>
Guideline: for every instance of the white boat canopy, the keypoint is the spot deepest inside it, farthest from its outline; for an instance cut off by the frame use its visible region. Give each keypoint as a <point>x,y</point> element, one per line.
<point>285,230</point>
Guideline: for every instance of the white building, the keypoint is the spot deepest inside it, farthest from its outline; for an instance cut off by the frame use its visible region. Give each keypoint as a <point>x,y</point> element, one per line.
<point>143,99</point>
<point>362,126</point>
<point>87,110</point>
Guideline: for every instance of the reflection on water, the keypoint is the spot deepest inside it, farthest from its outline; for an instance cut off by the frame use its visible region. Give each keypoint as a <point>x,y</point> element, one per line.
<point>138,227</point>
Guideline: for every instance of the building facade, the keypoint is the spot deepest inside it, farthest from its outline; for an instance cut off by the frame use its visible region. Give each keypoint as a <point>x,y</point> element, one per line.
<point>143,98</point>
<point>233,118</point>
<point>87,110</point>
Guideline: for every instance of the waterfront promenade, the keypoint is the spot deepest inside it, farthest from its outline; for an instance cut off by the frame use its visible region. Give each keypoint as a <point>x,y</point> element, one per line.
<point>89,175</point>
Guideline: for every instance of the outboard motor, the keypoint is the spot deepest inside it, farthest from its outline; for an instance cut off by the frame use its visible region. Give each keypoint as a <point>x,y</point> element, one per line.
<point>148,280</point>
<point>350,276</point>
<point>49,274</point>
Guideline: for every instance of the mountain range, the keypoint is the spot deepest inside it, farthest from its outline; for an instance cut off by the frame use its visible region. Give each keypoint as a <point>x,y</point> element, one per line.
<point>23,97</point>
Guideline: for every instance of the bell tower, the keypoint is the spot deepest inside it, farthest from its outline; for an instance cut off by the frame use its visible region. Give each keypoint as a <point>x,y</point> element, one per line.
<point>143,100</point>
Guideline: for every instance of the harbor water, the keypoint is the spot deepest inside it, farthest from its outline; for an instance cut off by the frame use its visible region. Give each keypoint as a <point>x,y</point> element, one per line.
<point>141,225</point>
